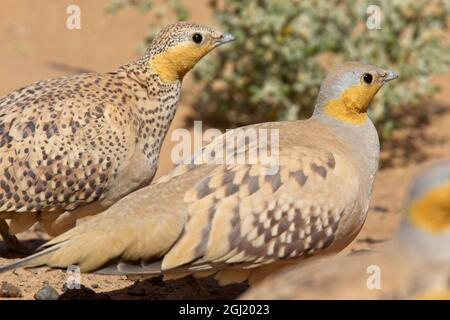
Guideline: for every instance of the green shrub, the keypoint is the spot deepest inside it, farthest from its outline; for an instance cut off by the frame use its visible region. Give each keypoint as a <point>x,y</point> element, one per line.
<point>283,48</point>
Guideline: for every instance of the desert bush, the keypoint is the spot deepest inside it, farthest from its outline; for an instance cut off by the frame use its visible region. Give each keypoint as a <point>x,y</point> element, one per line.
<point>283,48</point>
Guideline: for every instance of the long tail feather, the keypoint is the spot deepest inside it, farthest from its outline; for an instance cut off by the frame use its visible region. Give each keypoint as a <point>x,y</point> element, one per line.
<point>34,260</point>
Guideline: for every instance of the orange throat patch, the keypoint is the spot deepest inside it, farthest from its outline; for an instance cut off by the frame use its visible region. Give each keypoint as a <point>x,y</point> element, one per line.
<point>443,294</point>
<point>431,212</point>
<point>351,106</point>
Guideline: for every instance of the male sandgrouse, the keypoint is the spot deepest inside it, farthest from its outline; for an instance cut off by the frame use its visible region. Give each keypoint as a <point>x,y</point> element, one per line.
<point>72,146</point>
<point>416,265</point>
<point>241,218</point>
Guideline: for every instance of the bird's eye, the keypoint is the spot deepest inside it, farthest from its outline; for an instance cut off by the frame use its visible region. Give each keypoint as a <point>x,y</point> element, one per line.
<point>367,78</point>
<point>197,38</point>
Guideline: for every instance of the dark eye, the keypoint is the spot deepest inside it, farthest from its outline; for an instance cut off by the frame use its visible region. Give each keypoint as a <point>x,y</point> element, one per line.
<point>197,38</point>
<point>367,78</point>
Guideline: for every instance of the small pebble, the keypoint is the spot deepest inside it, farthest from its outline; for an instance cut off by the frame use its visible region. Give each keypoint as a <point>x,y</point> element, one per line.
<point>47,292</point>
<point>157,281</point>
<point>136,290</point>
<point>7,290</point>
<point>65,287</point>
<point>82,294</point>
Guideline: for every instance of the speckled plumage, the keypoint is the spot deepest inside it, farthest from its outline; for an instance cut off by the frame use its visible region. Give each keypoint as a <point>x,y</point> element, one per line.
<point>236,220</point>
<point>74,145</point>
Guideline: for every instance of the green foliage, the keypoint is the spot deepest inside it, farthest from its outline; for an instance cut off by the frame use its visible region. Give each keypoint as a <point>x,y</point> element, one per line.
<point>283,48</point>
<point>165,12</point>
<point>117,5</point>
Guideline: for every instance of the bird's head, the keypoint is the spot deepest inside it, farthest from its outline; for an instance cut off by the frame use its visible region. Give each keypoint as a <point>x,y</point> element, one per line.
<point>348,90</point>
<point>426,225</point>
<point>179,46</point>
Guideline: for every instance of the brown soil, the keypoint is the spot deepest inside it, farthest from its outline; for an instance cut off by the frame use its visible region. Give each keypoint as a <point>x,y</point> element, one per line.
<point>36,45</point>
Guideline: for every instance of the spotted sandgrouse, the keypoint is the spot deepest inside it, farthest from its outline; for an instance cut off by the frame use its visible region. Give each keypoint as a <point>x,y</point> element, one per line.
<point>416,265</point>
<point>72,146</point>
<point>242,219</point>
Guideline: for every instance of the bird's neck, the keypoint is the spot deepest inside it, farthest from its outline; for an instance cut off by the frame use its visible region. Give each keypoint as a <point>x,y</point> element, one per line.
<point>173,63</point>
<point>347,115</point>
<point>154,108</point>
<point>351,105</point>
<point>141,72</point>
<point>347,110</point>
<point>362,139</point>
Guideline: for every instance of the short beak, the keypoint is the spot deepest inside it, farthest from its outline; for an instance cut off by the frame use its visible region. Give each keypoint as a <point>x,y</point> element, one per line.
<point>390,75</point>
<point>226,37</point>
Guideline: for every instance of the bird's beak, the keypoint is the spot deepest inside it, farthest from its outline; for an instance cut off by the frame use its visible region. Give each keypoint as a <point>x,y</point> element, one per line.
<point>390,75</point>
<point>225,38</point>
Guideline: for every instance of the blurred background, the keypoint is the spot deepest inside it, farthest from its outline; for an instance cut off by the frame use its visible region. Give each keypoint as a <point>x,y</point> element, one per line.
<point>272,72</point>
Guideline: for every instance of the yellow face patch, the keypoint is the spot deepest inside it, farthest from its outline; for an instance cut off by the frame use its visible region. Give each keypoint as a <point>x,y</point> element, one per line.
<point>174,63</point>
<point>443,294</point>
<point>431,212</point>
<point>352,105</point>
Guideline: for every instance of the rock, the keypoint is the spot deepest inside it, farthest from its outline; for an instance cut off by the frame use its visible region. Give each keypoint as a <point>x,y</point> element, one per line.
<point>136,290</point>
<point>158,281</point>
<point>82,294</point>
<point>47,293</point>
<point>95,286</point>
<point>7,290</point>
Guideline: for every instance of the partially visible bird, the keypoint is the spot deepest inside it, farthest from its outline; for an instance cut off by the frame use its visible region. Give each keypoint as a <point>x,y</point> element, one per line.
<point>72,146</point>
<point>416,265</point>
<point>237,218</point>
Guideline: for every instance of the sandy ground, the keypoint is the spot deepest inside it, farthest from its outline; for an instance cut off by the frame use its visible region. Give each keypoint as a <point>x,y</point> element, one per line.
<point>36,45</point>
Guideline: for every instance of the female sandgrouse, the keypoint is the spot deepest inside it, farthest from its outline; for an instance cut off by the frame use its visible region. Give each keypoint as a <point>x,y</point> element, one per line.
<point>72,146</point>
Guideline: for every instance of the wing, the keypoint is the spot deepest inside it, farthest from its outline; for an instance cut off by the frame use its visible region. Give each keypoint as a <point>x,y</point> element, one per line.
<point>213,216</point>
<point>61,144</point>
<point>238,215</point>
<point>250,215</point>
